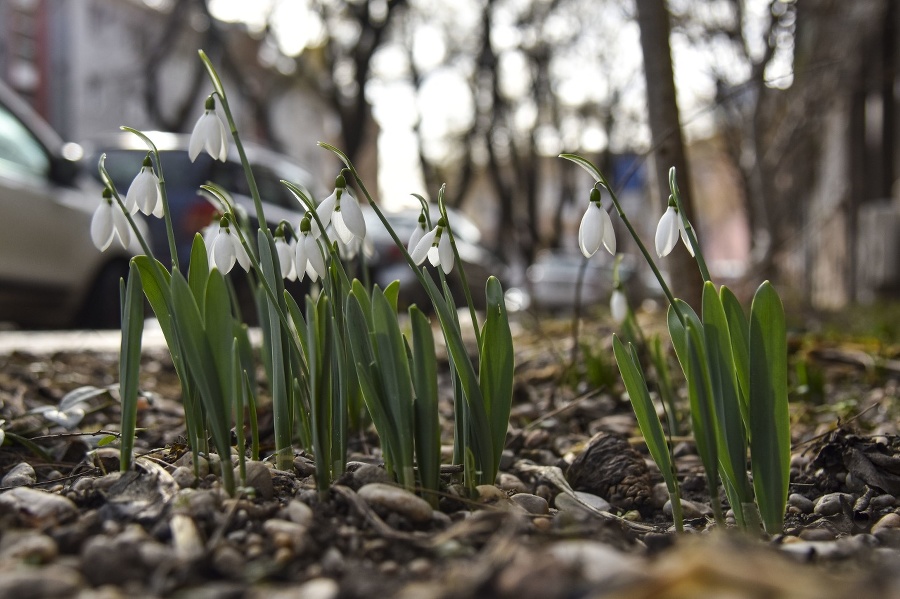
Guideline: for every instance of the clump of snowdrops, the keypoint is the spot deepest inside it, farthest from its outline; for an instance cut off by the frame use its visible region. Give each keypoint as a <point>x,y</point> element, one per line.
<point>735,367</point>
<point>334,359</point>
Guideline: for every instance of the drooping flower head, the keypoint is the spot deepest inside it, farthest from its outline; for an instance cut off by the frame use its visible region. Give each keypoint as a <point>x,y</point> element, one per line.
<point>435,245</point>
<point>307,255</point>
<point>108,223</point>
<point>209,134</point>
<point>417,234</point>
<point>226,249</point>
<point>285,250</point>
<point>669,229</point>
<point>618,305</point>
<point>144,193</point>
<point>343,211</point>
<point>596,228</point>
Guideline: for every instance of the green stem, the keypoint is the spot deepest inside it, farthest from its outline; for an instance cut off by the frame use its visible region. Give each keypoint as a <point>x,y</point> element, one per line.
<point>695,245</point>
<point>462,271</point>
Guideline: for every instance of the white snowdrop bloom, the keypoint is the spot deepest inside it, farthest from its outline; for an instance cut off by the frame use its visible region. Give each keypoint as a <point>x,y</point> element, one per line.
<point>596,228</point>
<point>227,249</point>
<point>618,306</point>
<point>108,223</point>
<point>308,259</point>
<point>144,193</point>
<point>342,210</point>
<point>285,250</point>
<point>669,229</point>
<point>209,134</point>
<point>435,245</point>
<point>417,234</point>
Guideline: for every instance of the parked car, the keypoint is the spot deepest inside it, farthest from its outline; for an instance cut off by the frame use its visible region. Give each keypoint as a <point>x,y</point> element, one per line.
<point>51,275</point>
<point>189,209</point>
<point>553,279</point>
<point>388,264</point>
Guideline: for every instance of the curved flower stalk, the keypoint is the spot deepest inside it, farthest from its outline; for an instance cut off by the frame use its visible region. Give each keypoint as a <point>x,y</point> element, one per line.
<point>144,193</point>
<point>108,223</point>
<point>209,134</point>
<point>596,228</point>
<point>417,234</point>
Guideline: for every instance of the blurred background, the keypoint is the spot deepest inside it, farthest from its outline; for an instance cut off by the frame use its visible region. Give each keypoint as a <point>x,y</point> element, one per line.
<point>782,124</point>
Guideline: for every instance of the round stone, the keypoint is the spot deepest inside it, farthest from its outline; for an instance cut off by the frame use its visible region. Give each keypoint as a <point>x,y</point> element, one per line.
<point>832,503</point>
<point>566,502</point>
<point>21,474</point>
<point>397,500</point>
<point>532,503</point>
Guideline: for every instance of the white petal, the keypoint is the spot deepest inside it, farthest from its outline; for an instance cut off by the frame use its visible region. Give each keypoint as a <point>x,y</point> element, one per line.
<point>590,233</point>
<point>221,142</point>
<point>314,255</point>
<point>609,233</point>
<point>102,226</point>
<point>684,238</point>
<point>667,232</point>
<point>417,234</point>
<point>300,259</point>
<point>223,253</point>
<point>285,257</point>
<point>445,253</point>
<point>144,193</point>
<point>197,140</point>
<point>324,211</point>
<point>240,253</point>
<point>420,252</point>
<point>618,306</point>
<point>121,226</point>
<point>343,232</point>
<point>353,216</point>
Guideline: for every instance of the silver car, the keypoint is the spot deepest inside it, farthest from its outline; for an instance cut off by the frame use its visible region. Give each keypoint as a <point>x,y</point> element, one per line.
<point>51,275</point>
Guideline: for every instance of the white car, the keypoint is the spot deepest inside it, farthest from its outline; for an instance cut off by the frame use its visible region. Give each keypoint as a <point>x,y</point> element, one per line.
<point>51,275</point>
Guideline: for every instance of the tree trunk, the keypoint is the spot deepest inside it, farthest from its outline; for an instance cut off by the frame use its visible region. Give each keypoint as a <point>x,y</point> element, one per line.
<point>668,145</point>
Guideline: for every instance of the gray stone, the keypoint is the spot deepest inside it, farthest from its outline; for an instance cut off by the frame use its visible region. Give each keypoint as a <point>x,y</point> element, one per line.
<point>186,538</point>
<point>28,546</point>
<point>260,478</point>
<point>299,513</point>
<point>21,474</point>
<point>565,502</point>
<point>804,505</point>
<point>366,474</point>
<point>38,507</point>
<point>184,476</point>
<point>597,562</point>
<point>511,482</point>
<point>228,561</point>
<point>532,503</point>
<point>817,534</point>
<point>34,583</point>
<point>891,520</point>
<point>285,533</point>
<point>689,509</point>
<point>397,500</point>
<point>187,460</point>
<point>881,502</point>
<point>832,503</point>
<point>659,496</point>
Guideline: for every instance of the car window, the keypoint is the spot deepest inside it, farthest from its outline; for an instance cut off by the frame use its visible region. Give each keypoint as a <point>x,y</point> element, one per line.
<point>20,152</point>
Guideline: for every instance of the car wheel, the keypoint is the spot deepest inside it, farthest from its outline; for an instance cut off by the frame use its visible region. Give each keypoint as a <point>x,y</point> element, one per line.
<point>101,309</point>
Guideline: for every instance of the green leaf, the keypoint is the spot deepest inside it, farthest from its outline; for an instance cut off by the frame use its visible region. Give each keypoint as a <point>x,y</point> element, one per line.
<point>392,293</point>
<point>497,366</point>
<point>213,75</point>
<point>198,269</point>
<point>130,361</point>
<point>644,410</point>
<point>740,346</point>
<point>102,442</point>
<point>220,333</point>
<point>427,425</point>
<point>677,331</point>
<point>770,435</point>
<point>586,165</point>
<point>731,440</point>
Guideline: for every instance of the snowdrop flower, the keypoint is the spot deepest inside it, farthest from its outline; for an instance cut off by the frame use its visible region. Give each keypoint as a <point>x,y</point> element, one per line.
<point>144,193</point>
<point>618,305</point>
<point>209,134</point>
<point>285,250</point>
<point>109,222</point>
<point>417,234</point>
<point>226,249</point>
<point>307,255</point>
<point>596,228</point>
<point>669,229</point>
<point>342,210</point>
<point>435,246</point>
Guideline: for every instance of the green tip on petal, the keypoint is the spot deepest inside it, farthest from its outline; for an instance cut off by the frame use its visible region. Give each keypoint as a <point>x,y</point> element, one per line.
<point>304,225</point>
<point>210,103</point>
<point>224,221</point>
<point>107,193</point>
<point>147,161</point>
<point>340,182</point>
<point>595,195</point>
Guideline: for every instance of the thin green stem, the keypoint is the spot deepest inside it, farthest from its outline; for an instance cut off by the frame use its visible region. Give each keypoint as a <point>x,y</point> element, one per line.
<point>459,264</point>
<point>692,238</point>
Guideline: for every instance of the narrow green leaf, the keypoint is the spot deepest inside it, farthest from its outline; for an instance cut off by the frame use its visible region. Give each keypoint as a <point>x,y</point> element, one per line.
<point>770,435</point>
<point>198,270</point>
<point>740,346</point>
<point>392,293</point>
<point>130,361</point>
<point>497,366</point>
<point>585,164</point>
<point>677,331</point>
<point>427,425</point>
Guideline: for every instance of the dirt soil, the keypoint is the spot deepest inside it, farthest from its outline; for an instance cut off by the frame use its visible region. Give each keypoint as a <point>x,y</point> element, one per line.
<point>578,509</point>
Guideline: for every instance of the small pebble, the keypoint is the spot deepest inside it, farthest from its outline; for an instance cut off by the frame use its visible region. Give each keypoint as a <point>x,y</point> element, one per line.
<point>285,533</point>
<point>891,520</point>
<point>28,546</point>
<point>817,534</point>
<point>659,496</point>
<point>804,505</point>
<point>397,500</point>
<point>50,581</point>
<point>186,538</point>
<point>365,474</point>
<point>532,503</point>
<point>228,561</point>
<point>491,493</point>
<point>317,588</point>
<point>690,509</point>
<point>511,482</point>
<point>881,502</point>
<point>597,562</point>
<point>21,474</point>
<point>566,502</point>
<point>831,504</point>
<point>184,476</point>
<point>38,507</point>
<point>299,513</point>
<point>259,477</point>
